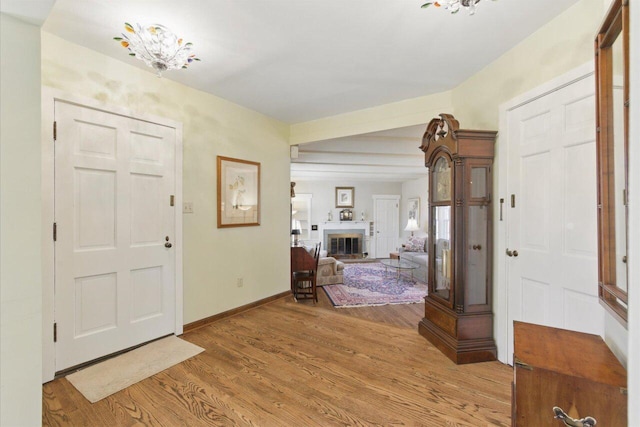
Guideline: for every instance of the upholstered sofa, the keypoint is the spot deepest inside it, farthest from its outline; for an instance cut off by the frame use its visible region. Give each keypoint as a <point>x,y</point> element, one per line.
<point>330,270</point>
<point>415,251</point>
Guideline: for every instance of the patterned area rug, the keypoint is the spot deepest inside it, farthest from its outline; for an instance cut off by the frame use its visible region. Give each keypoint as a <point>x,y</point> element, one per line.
<point>368,284</point>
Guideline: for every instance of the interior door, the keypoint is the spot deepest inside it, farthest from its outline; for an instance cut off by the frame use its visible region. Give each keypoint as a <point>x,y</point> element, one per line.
<point>114,262</point>
<point>386,223</point>
<point>551,230</point>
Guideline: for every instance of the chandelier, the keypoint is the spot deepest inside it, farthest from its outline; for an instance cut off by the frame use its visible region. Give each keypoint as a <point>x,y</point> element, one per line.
<point>157,46</point>
<point>454,6</point>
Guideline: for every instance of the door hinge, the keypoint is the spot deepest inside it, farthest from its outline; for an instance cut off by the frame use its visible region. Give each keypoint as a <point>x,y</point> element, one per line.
<point>55,131</point>
<point>55,332</point>
<point>513,200</point>
<point>172,200</point>
<point>55,231</point>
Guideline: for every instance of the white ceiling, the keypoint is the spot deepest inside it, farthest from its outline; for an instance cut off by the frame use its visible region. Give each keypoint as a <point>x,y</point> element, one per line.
<point>392,156</point>
<point>300,60</point>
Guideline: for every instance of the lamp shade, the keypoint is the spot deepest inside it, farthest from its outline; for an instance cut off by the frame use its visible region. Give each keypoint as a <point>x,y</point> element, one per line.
<point>412,225</point>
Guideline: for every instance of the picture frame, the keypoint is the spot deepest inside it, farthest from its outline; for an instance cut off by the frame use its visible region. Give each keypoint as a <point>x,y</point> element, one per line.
<point>345,197</point>
<point>413,209</point>
<point>238,192</point>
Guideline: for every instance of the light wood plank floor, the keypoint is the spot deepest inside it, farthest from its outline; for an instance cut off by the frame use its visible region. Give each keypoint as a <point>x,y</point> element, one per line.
<point>293,364</point>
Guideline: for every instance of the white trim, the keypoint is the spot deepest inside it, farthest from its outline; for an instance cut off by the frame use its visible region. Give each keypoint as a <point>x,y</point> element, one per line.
<point>500,178</point>
<point>49,96</point>
<point>48,264</point>
<point>633,356</point>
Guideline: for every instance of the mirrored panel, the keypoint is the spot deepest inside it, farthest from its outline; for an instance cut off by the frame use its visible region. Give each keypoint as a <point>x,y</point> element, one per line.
<point>478,183</point>
<point>476,262</point>
<point>612,94</point>
<point>619,209</point>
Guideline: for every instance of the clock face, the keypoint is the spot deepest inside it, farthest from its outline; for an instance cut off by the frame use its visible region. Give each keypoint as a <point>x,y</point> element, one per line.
<point>442,180</point>
<point>444,189</point>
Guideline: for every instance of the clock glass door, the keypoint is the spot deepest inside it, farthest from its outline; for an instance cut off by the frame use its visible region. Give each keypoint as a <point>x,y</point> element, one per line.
<point>440,282</point>
<point>442,181</point>
<point>478,220</point>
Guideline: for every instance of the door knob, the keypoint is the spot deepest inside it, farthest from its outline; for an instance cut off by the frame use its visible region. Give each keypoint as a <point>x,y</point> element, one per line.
<point>167,243</point>
<point>512,253</point>
<point>477,247</point>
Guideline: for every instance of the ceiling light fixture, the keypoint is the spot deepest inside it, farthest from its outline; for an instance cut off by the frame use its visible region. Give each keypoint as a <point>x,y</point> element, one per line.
<point>157,46</point>
<point>454,6</point>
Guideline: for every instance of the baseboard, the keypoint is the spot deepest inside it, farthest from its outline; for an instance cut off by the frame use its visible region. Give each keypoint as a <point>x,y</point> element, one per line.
<point>207,320</point>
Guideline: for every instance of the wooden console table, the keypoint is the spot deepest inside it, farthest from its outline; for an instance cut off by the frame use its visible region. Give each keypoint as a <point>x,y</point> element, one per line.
<point>570,370</point>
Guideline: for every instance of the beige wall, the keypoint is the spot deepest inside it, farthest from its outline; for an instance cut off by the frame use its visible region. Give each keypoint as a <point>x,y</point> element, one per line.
<point>558,47</point>
<point>20,207</point>
<point>408,112</point>
<point>213,258</point>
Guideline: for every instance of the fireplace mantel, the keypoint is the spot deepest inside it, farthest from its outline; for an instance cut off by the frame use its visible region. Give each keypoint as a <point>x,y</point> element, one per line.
<point>345,224</point>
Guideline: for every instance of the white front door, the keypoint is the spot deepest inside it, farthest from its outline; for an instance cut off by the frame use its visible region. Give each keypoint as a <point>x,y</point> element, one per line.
<point>551,232</point>
<point>386,219</point>
<point>114,275</point>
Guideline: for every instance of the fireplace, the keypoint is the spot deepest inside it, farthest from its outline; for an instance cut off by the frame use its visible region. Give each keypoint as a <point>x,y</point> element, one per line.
<point>332,235</point>
<point>345,245</point>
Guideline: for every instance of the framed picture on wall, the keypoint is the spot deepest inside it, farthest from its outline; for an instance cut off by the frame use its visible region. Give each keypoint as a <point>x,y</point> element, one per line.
<point>413,207</point>
<point>238,192</point>
<point>344,197</point>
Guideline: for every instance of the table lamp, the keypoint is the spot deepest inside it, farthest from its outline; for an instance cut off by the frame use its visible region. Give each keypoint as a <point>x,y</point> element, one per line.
<point>412,225</point>
<point>295,233</point>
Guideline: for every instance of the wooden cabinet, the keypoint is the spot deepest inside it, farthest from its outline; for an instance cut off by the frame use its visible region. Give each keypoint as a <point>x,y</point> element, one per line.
<point>458,308</point>
<point>301,260</point>
<point>570,370</point>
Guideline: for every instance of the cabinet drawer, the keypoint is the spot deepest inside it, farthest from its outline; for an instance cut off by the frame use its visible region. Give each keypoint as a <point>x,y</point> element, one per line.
<point>537,391</point>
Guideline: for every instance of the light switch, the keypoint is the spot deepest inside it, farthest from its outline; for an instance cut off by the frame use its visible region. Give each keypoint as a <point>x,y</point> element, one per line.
<point>187,207</point>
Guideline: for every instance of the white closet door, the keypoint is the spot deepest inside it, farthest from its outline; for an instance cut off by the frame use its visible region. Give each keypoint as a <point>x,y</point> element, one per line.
<point>386,224</point>
<point>552,173</point>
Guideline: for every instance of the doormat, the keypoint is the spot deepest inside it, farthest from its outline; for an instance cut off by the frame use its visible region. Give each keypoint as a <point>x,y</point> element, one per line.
<point>103,379</point>
<point>368,284</point>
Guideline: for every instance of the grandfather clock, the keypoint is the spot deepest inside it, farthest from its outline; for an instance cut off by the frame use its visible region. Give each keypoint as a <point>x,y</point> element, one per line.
<point>458,308</point>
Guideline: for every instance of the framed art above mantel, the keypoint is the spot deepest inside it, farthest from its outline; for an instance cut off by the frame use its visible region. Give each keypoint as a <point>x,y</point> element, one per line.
<point>344,197</point>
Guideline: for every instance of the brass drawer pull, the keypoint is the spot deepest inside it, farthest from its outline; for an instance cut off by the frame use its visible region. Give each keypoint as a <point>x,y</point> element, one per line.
<point>568,421</point>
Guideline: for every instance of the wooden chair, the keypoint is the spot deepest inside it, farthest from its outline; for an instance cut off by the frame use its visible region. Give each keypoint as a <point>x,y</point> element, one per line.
<point>304,282</point>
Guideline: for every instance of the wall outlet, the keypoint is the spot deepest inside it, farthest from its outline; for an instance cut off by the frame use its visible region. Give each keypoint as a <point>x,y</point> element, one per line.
<point>240,282</point>
<point>187,207</point>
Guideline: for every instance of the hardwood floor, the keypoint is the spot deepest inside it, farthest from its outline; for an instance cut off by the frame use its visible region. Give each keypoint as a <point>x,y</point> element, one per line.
<point>293,364</point>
